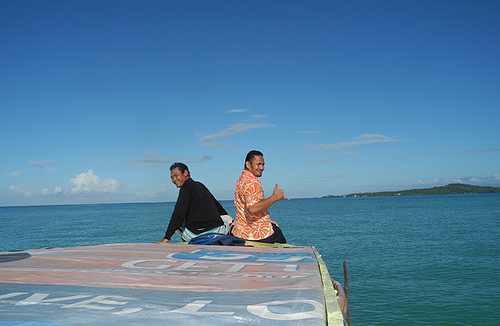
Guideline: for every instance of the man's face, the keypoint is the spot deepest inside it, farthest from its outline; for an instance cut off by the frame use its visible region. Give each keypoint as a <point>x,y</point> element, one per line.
<point>178,178</point>
<point>256,166</point>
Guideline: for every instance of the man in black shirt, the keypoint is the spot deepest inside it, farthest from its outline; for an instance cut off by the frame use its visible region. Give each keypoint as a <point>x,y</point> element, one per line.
<point>196,208</point>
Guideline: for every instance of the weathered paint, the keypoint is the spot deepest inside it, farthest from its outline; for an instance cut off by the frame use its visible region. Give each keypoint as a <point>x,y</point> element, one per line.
<point>163,284</point>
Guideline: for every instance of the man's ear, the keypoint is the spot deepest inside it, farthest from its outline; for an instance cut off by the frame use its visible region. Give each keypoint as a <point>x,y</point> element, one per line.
<point>247,164</point>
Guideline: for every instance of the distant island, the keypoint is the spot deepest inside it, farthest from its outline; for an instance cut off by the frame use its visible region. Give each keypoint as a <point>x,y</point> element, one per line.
<point>450,189</point>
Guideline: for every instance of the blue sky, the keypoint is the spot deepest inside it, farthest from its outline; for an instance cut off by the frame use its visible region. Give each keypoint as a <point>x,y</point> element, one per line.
<point>98,98</point>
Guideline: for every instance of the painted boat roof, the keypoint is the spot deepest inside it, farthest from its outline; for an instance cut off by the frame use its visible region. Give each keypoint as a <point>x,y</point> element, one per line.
<point>166,284</point>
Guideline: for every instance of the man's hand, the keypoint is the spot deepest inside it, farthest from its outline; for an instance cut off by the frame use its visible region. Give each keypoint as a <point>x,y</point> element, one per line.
<point>279,194</point>
<point>163,241</point>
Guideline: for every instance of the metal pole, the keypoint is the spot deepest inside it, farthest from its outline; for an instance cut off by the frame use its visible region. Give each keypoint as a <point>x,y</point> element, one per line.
<point>346,289</point>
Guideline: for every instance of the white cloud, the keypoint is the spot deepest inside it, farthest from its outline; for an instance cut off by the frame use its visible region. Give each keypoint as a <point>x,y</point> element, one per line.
<point>319,160</point>
<point>44,191</point>
<point>210,140</point>
<point>308,132</point>
<point>58,190</point>
<point>360,140</point>
<point>333,177</point>
<point>438,181</point>
<point>20,190</point>
<point>259,116</point>
<point>237,111</point>
<point>91,183</point>
<point>154,159</point>
<point>483,150</point>
<point>41,164</point>
<point>156,193</point>
<point>196,160</point>
<point>14,174</point>
<point>467,180</point>
<point>150,160</point>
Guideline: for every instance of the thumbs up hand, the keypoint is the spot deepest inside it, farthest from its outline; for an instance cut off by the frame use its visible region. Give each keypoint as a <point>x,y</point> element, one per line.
<point>279,194</point>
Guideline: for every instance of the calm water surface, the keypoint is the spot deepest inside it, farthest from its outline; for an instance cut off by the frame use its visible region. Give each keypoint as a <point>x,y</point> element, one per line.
<point>421,260</point>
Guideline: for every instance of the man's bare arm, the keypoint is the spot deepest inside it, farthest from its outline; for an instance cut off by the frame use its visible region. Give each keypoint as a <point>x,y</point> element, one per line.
<point>278,194</point>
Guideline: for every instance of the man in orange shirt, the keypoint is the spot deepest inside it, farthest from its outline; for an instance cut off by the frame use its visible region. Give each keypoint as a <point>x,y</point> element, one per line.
<point>253,221</point>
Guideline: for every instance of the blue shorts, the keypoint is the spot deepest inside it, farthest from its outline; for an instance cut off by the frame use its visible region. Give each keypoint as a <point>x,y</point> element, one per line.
<point>223,229</point>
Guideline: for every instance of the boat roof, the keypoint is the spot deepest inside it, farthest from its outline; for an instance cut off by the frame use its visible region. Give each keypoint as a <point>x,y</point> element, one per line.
<point>166,284</point>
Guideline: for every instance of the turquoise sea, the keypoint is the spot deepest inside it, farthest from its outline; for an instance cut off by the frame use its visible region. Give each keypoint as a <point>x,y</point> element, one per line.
<point>421,260</point>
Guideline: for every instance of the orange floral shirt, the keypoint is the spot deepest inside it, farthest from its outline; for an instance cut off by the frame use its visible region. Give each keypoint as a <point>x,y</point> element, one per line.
<point>248,193</point>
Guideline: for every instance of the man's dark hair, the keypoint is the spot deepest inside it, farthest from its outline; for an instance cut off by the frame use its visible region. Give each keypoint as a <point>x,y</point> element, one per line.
<point>251,155</point>
<point>181,166</point>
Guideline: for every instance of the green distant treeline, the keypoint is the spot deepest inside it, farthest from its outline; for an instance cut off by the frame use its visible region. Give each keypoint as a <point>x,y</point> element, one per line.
<point>452,188</point>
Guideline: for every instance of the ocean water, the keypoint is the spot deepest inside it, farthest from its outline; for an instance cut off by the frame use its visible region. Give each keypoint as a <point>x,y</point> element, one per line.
<point>421,260</point>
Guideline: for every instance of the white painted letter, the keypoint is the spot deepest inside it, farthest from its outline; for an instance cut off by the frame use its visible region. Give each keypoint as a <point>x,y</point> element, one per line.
<point>102,299</point>
<point>192,309</point>
<point>40,298</point>
<point>261,310</point>
<point>10,295</point>
<point>191,265</point>
<point>134,263</point>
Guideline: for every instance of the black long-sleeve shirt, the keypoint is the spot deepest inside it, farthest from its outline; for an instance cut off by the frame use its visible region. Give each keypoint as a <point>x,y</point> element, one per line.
<point>197,208</point>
